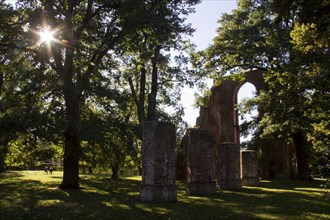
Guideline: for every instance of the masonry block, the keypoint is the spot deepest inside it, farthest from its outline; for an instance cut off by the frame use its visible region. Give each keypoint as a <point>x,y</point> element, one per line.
<point>158,162</point>
<point>249,168</point>
<point>229,166</point>
<point>200,163</point>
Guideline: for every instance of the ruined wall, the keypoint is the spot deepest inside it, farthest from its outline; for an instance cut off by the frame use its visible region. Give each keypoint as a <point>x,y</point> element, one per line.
<point>200,163</point>
<point>249,168</point>
<point>221,119</point>
<point>277,159</point>
<point>229,174</point>
<point>158,162</point>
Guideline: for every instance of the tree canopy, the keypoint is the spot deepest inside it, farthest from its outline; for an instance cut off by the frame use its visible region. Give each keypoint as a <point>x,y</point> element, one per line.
<point>76,73</point>
<point>289,41</point>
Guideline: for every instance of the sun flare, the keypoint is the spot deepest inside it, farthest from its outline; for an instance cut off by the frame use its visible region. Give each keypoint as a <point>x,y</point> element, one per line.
<point>46,35</point>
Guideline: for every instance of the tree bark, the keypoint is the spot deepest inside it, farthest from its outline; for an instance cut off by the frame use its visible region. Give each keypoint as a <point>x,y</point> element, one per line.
<point>3,147</point>
<point>139,102</point>
<point>90,170</point>
<point>115,171</point>
<point>71,139</point>
<point>71,135</point>
<point>3,153</point>
<point>151,116</point>
<point>302,156</point>
<point>1,82</point>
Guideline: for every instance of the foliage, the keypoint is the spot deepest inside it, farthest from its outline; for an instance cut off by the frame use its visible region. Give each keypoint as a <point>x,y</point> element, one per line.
<point>76,77</point>
<point>310,42</point>
<point>28,151</point>
<point>148,64</point>
<point>35,195</point>
<point>26,109</point>
<point>287,40</point>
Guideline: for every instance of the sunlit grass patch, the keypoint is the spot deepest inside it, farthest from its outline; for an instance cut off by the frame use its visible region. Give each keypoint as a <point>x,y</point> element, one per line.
<point>136,178</point>
<point>34,195</point>
<point>48,202</point>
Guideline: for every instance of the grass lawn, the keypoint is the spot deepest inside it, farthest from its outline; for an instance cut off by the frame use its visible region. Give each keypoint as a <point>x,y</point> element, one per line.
<point>34,195</point>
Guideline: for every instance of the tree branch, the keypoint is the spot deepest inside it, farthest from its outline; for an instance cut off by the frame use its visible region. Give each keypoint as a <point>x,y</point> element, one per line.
<point>154,86</point>
<point>130,81</point>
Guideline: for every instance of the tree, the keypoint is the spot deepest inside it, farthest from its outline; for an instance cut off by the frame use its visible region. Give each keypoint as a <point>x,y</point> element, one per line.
<point>311,40</point>
<point>147,61</point>
<point>110,132</point>
<point>85,35</point>
<point>23,108</point>
<point>255,37</point>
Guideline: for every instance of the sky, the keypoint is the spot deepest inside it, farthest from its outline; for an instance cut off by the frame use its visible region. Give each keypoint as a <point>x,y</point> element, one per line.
<point>204,20</point>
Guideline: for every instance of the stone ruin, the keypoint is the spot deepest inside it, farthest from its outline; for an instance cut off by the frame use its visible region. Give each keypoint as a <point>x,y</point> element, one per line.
<point>158,162</point>
<point>200,163</point>
<point>214,159</point>
<point>249,168</point>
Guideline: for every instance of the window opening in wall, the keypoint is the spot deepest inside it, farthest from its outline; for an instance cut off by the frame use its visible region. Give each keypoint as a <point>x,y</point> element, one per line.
<point>246,113</point>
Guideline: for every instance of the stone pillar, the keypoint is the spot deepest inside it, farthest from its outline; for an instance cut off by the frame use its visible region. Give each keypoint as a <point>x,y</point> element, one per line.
<point>200,163</point>
<point>158,162</point>
<point>249,168</point>
<point>229,166</point>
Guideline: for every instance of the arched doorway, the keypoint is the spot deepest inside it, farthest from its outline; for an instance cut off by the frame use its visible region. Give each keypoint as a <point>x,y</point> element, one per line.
<point>245,93</point>
<point>220,118</point>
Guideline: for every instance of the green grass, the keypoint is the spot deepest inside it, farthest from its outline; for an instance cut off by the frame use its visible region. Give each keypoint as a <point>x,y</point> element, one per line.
<point>34,195</point>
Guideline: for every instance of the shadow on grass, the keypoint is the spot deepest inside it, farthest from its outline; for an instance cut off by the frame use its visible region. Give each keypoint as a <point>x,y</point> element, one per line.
<point>103,198</point>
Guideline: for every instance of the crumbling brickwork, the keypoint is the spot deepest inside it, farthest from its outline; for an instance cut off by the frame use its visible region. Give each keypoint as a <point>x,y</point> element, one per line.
<point>249,168</point>
<point>200,163</point>
<point>221,119</point>
<point>228,164</point>
<point>158,162</point>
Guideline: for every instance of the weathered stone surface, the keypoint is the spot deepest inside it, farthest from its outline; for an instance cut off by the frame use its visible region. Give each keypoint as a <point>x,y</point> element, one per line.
<point>200,163</point>
<point>220,117</point>
<point>158,162</point>
<point>229,166</point>
<point>249,168</point>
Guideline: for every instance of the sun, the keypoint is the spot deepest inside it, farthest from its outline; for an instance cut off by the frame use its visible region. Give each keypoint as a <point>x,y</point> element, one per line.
<point>46,35</point>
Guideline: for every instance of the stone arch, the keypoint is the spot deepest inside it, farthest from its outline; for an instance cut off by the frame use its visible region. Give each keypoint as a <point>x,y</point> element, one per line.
<point>256,79</point>
<point>220,117</point>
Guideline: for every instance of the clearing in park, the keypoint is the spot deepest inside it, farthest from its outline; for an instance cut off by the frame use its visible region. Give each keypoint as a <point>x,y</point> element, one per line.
<point>34,195</point>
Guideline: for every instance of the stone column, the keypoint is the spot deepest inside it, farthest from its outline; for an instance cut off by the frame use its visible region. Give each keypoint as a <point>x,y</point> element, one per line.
<point>249,168</point>
<point>158,162</point>
<point>200,163</point>
<point>229,166</point>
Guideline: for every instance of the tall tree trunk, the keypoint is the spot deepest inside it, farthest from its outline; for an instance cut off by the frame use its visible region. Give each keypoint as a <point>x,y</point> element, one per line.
<point>302,156</point>
<point>115,171</point>
<point>71,139</point>
<point>90,170</point>
<point>1,82</point>
<point>3,153</point>
<point>139,101</point>
<point>3,146</point>
<point>151,116</point>
<point>72,97</point>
